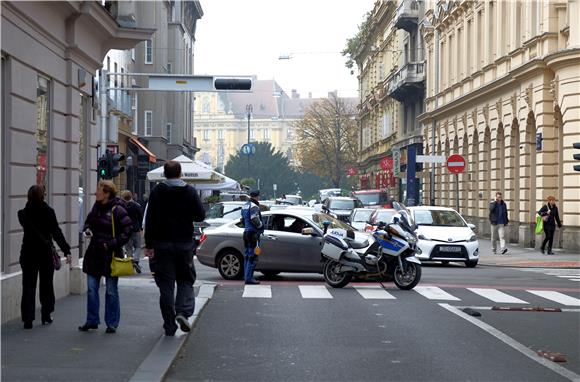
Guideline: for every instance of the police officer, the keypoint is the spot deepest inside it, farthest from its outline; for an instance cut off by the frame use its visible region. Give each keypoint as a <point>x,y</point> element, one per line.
<point>253,228</point>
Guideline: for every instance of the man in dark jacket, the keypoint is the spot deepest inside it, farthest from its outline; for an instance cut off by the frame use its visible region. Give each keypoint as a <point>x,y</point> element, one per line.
<point>253,228</point>
<point>173,207</point>
<point>133,246</point>
<point>499,219</point>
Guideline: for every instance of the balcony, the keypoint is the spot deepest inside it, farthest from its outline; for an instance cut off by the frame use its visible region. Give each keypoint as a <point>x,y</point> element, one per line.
<point>407,16</point>
<point>120,103</point>
<point>408,82</point>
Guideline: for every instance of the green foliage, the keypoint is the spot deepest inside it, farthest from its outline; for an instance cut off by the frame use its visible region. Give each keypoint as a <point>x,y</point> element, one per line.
<point>249,182</point>
<point>212,199</point>
<point>354,44</point>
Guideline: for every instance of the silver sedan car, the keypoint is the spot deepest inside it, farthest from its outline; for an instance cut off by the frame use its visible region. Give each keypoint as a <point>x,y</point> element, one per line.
<point>285,247</point>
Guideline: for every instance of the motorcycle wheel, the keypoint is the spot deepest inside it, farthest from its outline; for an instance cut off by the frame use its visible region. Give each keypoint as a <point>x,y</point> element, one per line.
<point>333,276</point>
<point>408,279</point>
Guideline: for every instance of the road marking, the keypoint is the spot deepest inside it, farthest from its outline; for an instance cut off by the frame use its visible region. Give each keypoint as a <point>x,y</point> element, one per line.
<point>314,291</point>
<point>574,279</point>
<point>257,291</point>
<point>374,293</point>
<point>514,344</point>
<point>567,277</point>
<point>435,293</point>
<point>496,295</point>
<point>557,296</point>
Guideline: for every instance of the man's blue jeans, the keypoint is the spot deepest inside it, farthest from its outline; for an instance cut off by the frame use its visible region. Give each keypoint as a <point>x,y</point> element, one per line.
<point>112,306</point>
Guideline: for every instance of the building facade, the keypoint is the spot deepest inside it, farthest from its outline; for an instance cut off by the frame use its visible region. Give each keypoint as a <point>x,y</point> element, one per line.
<point>391,65</point>
<point>503,91</point>
<point>50,53</point>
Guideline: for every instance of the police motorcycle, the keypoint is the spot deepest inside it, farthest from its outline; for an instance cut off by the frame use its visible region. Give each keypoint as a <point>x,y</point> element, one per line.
<point>390,256</point>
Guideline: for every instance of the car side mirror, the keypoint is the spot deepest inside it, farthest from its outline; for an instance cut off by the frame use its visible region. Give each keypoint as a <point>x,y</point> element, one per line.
<point>472,226</point>
<point>309,231</point>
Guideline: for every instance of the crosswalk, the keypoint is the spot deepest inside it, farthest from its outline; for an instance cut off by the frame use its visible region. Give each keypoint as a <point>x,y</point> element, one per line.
<point>375,292</point>
<point>567,274</point>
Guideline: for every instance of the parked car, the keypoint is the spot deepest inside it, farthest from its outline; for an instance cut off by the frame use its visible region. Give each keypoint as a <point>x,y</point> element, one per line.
<point>444,235</point>
<point>359,217</point>
<point>223,212</point>
<point>340,206</point>
<point>373,198</point>
<point>290,199</point>
<point>285,247</point>
<point>328,192</point>
<point>384,215</point>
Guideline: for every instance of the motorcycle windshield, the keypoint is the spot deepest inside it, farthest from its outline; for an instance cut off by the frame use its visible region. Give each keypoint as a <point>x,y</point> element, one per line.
<point>405,219</point>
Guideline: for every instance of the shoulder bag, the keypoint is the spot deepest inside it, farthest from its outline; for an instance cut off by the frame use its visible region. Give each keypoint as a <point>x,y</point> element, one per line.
<point>120,266</point>
<point>56,262</point>
<point>547,216</point>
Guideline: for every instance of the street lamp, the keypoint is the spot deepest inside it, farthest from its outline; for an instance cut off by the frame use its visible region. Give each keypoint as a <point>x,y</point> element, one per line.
<point>249,110</point>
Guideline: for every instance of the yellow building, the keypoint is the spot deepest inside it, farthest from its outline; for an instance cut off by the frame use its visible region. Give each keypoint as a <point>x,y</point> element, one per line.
<point>503,89</point>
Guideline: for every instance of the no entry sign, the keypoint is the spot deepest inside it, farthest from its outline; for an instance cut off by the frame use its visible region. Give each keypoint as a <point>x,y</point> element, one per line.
<point>456,164</point>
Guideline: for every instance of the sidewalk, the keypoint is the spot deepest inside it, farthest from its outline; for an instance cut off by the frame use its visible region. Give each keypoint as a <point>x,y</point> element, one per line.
<point>59,352</point>
<point>526,257</point>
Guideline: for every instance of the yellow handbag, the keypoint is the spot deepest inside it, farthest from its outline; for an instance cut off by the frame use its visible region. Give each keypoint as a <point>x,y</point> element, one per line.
<point>120,266</point>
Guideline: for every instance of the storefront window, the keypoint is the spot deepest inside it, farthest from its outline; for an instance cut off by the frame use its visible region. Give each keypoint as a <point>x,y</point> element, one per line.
<point>42,105</point>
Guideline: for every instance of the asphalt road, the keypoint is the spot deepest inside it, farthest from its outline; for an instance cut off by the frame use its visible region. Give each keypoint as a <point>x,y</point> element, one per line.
<point>419,335</point>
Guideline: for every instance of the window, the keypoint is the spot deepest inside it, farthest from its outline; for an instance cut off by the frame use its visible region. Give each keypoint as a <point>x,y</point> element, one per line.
<point>468,46</point>
<point>116,71</point>
<point>168,127</point>
<point>133,54</point>
<point>251,135</point>
<point>108,64</point>
<point>148,51</point>
<point>42,108</point>
<point>220,134</point>
<point>386,130</point>
<point>135,114</point>
<point>169,67</point>
<point>266,134</point>
<point>206,135</point>
<point>148,123</point>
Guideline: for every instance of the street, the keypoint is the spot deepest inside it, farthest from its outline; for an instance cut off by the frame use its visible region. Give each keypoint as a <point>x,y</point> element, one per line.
<point>296,328</point>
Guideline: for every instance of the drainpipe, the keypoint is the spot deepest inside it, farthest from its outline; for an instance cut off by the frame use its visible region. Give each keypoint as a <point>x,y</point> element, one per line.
<point>103,92</point>
<point>434,125</point>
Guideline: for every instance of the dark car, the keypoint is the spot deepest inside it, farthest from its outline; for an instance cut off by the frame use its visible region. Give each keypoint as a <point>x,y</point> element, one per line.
<point>373,198</point>
<point>341,206</point>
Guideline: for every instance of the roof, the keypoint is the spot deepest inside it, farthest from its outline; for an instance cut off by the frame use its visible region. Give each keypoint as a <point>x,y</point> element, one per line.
<point>368,191</point>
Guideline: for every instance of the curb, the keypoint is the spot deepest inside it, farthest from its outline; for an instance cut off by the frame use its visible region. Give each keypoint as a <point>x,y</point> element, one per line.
<point>530,265</point>
<point>157,363</point>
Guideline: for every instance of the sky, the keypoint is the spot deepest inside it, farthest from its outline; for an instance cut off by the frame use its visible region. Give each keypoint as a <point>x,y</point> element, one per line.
<point>246,37</point>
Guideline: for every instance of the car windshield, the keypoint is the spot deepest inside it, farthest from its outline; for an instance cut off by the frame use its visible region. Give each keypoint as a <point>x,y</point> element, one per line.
<point>319,218</point>
<point>384,216</point>
<point>341,204</point>
<point>373,199</point>
<point>439,218</point>
<point>294,199</point>
<point>361,216</point>
<point>220,210</point>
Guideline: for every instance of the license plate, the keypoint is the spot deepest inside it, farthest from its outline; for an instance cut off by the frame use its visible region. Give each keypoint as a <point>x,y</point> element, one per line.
<point>450,249</point>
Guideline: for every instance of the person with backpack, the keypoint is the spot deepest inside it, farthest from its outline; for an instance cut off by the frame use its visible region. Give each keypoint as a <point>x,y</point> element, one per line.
<point>133,246</point>
<point>41,227</point>
<point>550,216</point>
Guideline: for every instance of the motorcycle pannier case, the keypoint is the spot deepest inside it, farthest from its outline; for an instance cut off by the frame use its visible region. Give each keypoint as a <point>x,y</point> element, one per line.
<point>333,247</point>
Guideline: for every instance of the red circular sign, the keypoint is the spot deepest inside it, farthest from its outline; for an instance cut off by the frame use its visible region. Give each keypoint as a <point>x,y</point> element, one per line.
<point>456,164</point>
<point>387,163</point>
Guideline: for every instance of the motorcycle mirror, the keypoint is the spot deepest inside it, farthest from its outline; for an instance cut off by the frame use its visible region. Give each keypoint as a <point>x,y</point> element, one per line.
<point>395,219</point>
<point>326,224</point>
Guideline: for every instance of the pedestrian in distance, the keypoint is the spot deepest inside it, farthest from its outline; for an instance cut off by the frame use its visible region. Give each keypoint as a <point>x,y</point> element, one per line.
<point>133,246</point>
<point>550,216</point>
<point>169,240</point>
<point>103,246</point>
<point>40,226</point>
<point>498,218</point>
<point>253,228</point>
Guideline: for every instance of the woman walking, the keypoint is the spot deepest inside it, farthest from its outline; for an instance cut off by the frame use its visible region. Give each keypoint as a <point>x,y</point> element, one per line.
<point>40,228</point>
<point>99,254</point>
<point>550,216</point>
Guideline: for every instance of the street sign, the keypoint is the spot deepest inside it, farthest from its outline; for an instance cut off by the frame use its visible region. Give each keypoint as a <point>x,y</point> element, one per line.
<point>456,164</point>
<point>248,149</point>
<point>396,163</point>
<point>431,159</point>
<point>387,163</point>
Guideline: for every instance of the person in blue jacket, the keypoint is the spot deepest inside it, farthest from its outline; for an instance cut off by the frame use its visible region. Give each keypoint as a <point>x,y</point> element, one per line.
<point>253,228</point>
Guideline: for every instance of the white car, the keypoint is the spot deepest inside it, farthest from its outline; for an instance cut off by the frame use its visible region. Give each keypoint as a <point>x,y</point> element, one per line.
<point>444,236</point>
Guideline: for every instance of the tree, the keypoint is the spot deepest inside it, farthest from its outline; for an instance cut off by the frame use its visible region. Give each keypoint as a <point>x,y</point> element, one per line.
<point>355,44</point>
<point>327,139</point>
<point>268,166</point>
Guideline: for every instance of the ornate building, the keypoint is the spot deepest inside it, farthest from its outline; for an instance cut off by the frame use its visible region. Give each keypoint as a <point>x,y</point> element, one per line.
<point>503,91</point>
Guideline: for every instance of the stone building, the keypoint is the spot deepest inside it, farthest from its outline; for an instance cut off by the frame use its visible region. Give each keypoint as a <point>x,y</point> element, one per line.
<point>503,90</point>
<point>50,53</point>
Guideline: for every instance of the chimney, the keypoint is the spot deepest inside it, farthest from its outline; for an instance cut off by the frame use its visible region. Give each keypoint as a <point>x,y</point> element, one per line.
<point>295,94</point>
<point>333,94</point>
<point>309,94</point>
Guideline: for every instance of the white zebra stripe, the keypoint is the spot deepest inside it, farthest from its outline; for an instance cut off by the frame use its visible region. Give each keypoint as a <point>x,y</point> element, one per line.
<point>557,297</point>
<point>496,295</point>
<point>257,291</point>
<point>435,293</point>
<point>314,291</point>
<point>374,293</point>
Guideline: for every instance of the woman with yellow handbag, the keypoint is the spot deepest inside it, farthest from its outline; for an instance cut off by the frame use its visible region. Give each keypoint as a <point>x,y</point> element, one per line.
<point>109,227</point>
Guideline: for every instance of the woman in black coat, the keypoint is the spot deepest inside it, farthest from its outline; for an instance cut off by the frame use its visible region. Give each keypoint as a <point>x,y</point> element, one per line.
<point>97,260</point>
<point>40,228</point>
<point>550,212</point>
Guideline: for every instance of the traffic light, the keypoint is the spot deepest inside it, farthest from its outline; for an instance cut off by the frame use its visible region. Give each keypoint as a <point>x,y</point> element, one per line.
<point>103,170</point>
<point>116,167</point>
<point>232,84</point>
<point>577,156</point>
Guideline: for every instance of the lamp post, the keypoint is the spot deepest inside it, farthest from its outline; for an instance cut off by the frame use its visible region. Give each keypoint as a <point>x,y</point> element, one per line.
<point>249,110</point>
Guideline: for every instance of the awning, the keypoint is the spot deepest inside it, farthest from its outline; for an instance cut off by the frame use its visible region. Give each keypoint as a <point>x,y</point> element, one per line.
<point>152,157</point>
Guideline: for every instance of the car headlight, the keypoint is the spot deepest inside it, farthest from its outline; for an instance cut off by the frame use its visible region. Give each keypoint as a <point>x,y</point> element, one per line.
<point>422,237</point>
<point>473,238</point>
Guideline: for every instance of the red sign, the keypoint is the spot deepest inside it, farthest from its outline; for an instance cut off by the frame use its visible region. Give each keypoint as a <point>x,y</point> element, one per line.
<point>352,171</point>
<point>387,163</point>
<point>456,164</point>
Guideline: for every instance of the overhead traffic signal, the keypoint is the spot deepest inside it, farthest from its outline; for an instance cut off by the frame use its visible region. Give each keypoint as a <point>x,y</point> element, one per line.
<point>116,165</point>
<point>232,84</point>
<point>103,169</point>
<point>577,156</point>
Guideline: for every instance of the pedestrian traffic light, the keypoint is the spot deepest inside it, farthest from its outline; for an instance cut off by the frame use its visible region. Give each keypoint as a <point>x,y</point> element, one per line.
<point>116,167</point>
<point>577,156</point>
<point>232,84</point>
<point>103,170</point>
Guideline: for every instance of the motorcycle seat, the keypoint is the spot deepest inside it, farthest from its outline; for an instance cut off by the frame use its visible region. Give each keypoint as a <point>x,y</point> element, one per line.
<point>357,244</point>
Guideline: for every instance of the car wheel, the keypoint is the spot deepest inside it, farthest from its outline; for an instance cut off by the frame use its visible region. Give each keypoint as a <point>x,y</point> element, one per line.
<point>230,264</point>
<point>471,263</point>
<point>270,274</point>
